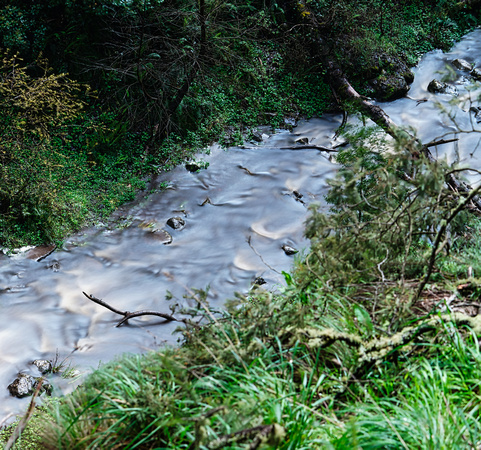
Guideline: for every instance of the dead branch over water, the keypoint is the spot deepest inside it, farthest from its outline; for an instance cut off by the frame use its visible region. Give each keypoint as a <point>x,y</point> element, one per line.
<point>130,315</point>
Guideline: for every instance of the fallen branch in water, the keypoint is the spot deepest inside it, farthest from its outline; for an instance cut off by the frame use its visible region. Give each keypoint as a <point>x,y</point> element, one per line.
<point>130,315</point>
<point>309,147</point>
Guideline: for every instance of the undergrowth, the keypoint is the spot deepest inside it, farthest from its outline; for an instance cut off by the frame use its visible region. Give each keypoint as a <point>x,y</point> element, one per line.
<point>347,355</point>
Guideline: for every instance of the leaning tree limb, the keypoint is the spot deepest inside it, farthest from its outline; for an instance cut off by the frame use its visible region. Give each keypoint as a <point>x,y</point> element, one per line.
<point>130,315</point>
<point>341,85</point>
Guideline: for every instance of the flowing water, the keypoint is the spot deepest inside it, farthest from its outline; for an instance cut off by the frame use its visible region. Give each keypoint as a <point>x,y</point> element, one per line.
<point>238,213</point>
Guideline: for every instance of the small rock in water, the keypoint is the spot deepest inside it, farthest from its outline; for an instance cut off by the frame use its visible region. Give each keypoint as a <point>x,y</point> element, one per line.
<point>439,87</point>
<point>259,281</point>
<point>462,64</point>
<point>476,74</point>
<point>43,365</point>
<point>25,385</point>
<point>177,223</point>
<point>22,386</point>
<point>192,167</point>
<point>288,250</point>
<point>256,136</point>
<point>436,86</point>
<point>302,140</point>
<point>161,236</point>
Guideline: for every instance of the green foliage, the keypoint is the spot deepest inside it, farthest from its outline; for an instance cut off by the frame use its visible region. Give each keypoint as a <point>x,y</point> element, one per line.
<point>385,218</point>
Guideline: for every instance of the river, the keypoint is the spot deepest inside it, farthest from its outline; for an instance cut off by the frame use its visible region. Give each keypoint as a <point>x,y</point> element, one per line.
<point>239,212</point>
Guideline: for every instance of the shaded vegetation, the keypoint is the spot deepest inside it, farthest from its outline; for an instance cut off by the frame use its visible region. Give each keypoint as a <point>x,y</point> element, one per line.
<point>114,91</point>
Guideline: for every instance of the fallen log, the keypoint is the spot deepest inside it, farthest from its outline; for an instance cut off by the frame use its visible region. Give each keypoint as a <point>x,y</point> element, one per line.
<point>344,90</point>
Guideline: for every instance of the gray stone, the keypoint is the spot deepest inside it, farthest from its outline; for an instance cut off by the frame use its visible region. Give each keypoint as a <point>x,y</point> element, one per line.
<point>256,136</point>
<point>462,64</point>
<point>162,236</point>
<point>25,385</point>
<point>259,281</point>
<point>177,223</point>
<point>288,250</point>
<point>302,140</point>
<point>390,87</point>
<point>439,87</point>
<point>22,386</point>
<point>476,74</point>
<point>43,365</point>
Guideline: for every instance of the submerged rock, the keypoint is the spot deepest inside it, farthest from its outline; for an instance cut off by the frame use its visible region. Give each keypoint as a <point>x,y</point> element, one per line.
<point>25,385</point>
<point>177,223</point>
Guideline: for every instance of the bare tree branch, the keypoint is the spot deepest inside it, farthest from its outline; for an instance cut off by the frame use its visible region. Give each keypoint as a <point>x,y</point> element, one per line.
<point>130,315</point>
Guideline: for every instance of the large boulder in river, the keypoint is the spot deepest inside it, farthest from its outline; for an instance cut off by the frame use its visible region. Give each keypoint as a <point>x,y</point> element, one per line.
<point>390,87</point>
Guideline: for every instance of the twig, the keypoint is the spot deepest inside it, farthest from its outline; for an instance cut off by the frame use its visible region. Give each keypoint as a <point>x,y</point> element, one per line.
<point>440,142</point>
<point>4,420</point>
<point>23,423</point>
<point>260,256</point>
<point>130,315</point>
<point>309,147</point>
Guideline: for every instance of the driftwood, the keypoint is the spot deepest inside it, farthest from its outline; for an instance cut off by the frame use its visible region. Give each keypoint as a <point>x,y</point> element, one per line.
<point>340,84</point>
<point>130,315</point>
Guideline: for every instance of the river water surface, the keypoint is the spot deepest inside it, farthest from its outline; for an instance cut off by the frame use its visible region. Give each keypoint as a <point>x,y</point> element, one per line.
<point>238,213</point>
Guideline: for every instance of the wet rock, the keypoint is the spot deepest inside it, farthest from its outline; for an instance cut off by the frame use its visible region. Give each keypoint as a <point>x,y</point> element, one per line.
<point>476,73</point>
<point>259,281</point>
<point>290,122</point>
<point>192,167</point>
<point>288,250</point>
<point>162,236</point>
<point>41,252</point>
<point>462,64</point>
<point>389,87</point>
<point>439,87</point>
<point>43,365</point>
<point>302,141</point>
<point>25,385</point>
<point>177,223</point>
<point>257,136</point>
